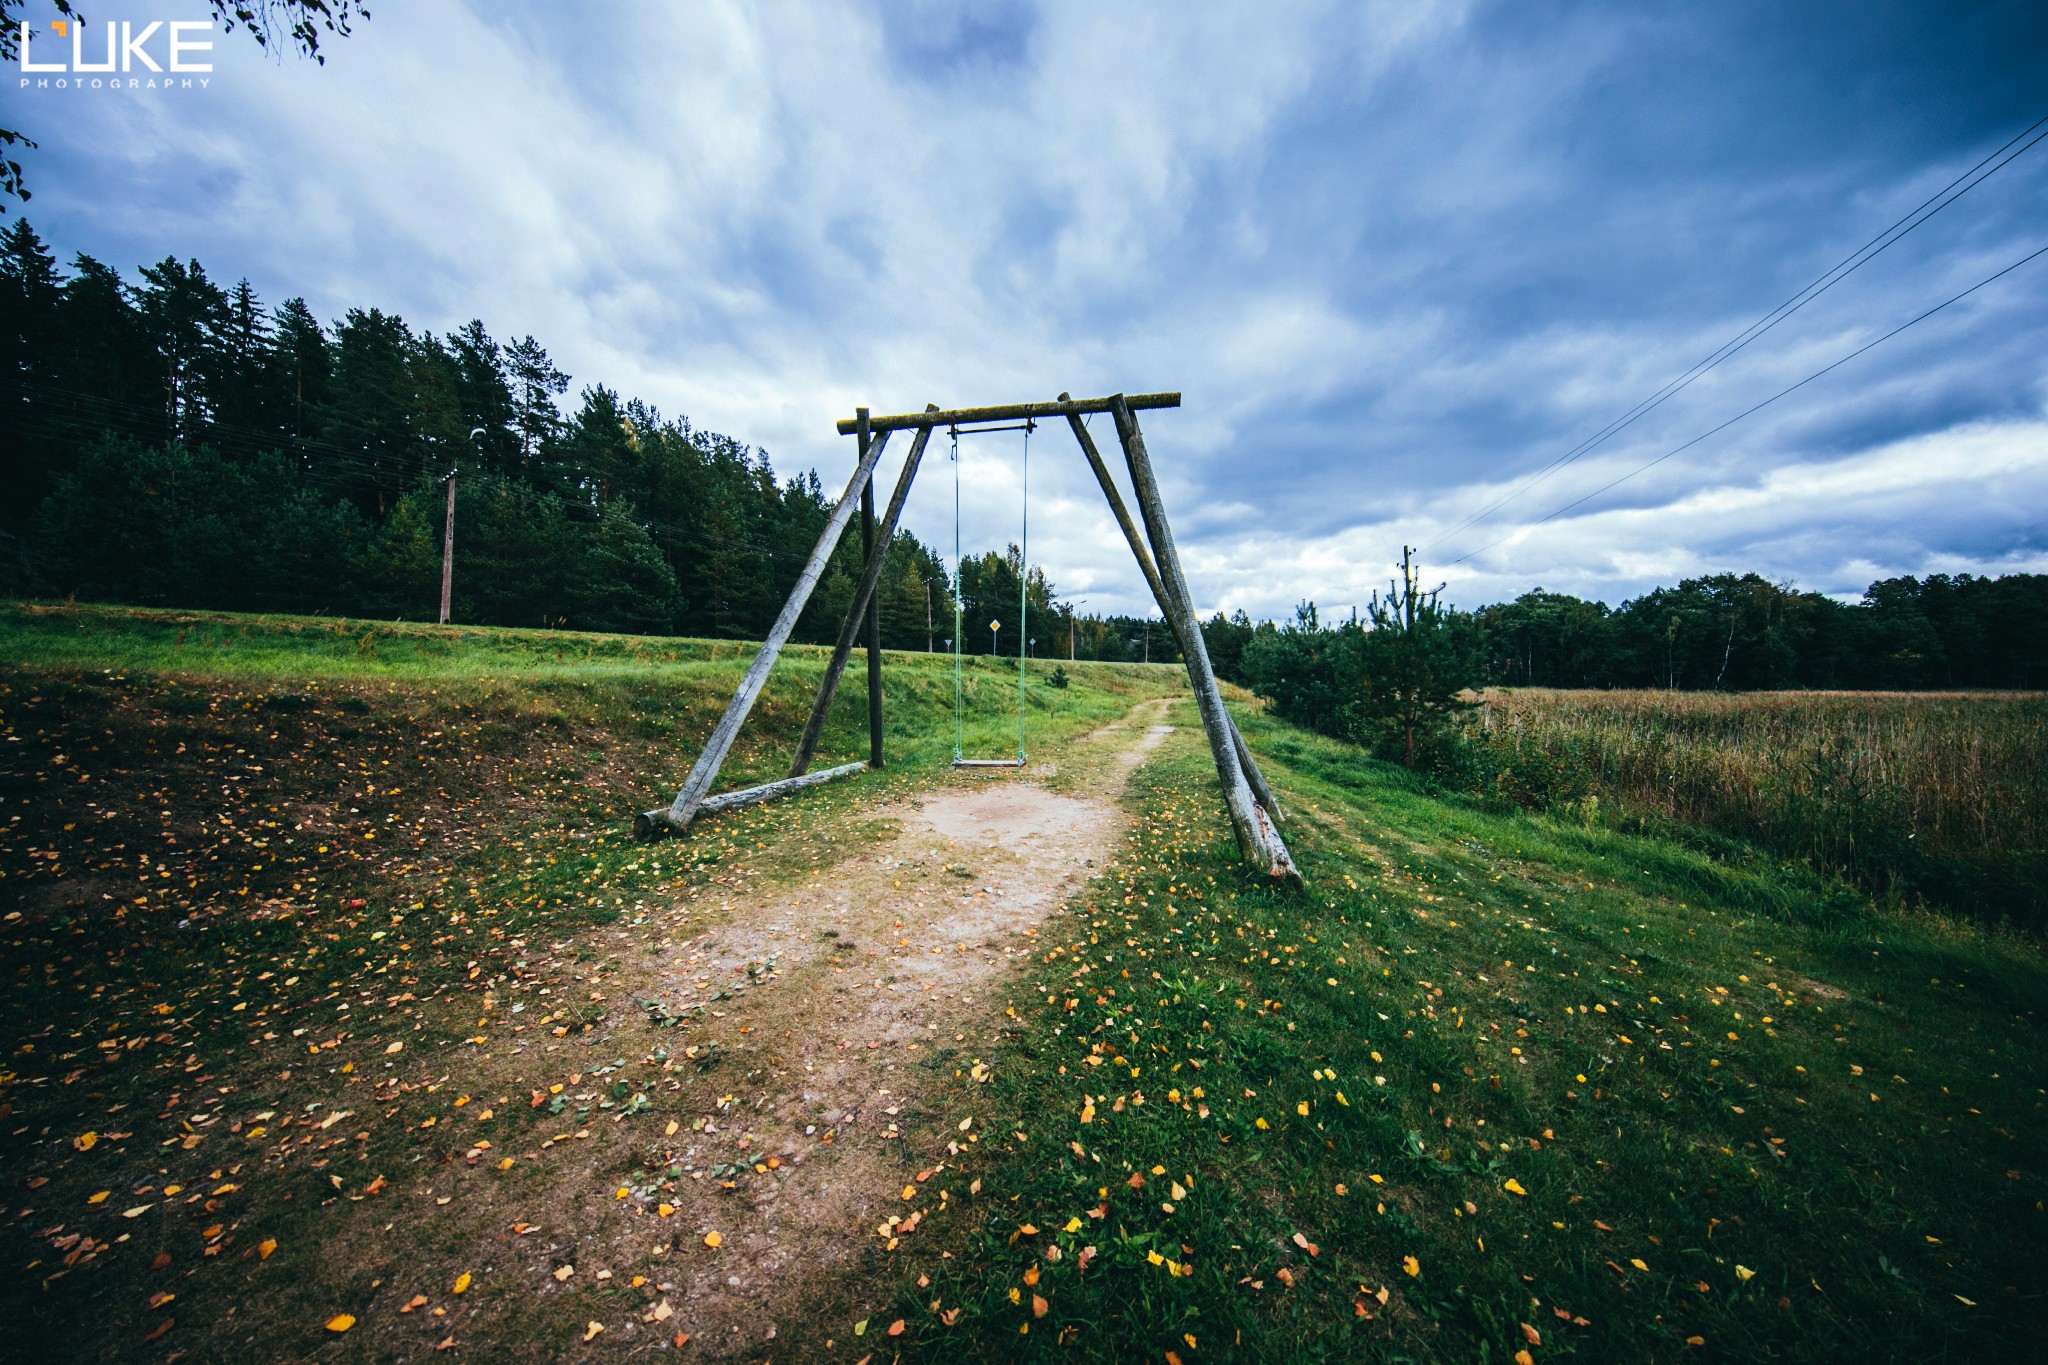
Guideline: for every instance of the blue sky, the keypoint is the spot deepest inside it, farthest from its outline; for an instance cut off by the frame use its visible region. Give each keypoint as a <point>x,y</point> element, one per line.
<point>1398,257</point>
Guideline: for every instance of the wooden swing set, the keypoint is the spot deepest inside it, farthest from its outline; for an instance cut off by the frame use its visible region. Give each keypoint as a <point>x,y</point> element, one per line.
<point>1254,814</point>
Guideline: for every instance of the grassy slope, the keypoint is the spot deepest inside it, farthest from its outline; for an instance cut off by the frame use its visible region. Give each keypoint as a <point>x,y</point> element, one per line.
<point>501,776</point>
<point>1744,1117</point>
<point>244,856</point>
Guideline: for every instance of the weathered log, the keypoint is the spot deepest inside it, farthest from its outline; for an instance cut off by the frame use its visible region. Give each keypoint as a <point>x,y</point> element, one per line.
<point>654,823</point>
<point>874,552</point>
<point>705,771</point>
<point>1167,607</point>
<point>1256,836</point>
<point>960,417</point>
<point>821,707</point>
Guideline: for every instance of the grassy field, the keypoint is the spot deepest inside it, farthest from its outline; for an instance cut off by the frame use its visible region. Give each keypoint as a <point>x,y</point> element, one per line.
<point>1496,1085</point>
<point>1936,797</point>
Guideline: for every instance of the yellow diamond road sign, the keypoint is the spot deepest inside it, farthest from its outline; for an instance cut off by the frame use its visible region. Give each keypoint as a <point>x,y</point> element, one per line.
<point>995,625</point>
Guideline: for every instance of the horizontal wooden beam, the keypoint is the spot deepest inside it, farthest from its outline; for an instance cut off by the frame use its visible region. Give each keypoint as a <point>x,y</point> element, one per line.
<point>908,421</point>
<point>655,823</point>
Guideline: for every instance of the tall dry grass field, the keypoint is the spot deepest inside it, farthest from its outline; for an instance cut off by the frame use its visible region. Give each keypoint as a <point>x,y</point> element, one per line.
<point>1937,796</point>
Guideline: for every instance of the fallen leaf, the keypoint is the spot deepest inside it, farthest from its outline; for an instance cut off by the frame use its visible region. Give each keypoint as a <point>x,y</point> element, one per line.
<point>341,1322</point>
<point>712,1240</point>
<point>1743,1272</point>
<point>462,1283</point>
<point>1535,1337</point>
<point>1514,1186</point>
<point>265,1247</point>
<point>1411,1265</point>
<point>416,1301</point>
<point>99,1198</point>
<point>590,1333</point>
<point>1039,1307</point>
<point>896,1328</point>
<point>564,1272</point>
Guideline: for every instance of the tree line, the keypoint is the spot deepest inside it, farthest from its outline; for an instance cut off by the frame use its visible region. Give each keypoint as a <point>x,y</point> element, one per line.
<point>1398,672</point>
<point>171,440</point>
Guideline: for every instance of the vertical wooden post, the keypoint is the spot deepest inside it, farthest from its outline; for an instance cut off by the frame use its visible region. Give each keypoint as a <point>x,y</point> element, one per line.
<point>1159,594</point>
<point>705,771</point>
<point>448,552</point>
<point>1256,836</point>
<point>856,611</point>
<point>874,555</point>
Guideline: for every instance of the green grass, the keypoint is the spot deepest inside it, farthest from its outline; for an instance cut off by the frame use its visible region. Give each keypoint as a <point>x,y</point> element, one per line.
<point>209,848</point>
<point>1817,1127</point>
<point>254,759</point>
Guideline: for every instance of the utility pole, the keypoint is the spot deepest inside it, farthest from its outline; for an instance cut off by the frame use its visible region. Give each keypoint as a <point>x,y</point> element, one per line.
<point>448,539</point>
<point>928,615</point>
<point>1071,614</point>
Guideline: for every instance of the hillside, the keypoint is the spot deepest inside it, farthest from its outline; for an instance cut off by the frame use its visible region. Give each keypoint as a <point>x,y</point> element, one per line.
<point>348,1020</point>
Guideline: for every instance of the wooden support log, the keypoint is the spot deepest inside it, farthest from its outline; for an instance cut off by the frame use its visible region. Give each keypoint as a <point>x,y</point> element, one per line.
<point>1256,836</point>
<point>952,417</point>
<point>814,729</point>
<point>653,822</point>
<point>705,771</point>
<point>875,552</point>
<point>1167,607</point>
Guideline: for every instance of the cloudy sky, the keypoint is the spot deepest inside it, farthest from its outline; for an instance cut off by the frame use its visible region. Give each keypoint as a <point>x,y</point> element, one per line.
<point>1399,258</point>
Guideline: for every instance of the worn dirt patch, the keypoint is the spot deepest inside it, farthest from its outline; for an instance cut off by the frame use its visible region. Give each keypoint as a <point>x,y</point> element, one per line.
<point>851,997</point>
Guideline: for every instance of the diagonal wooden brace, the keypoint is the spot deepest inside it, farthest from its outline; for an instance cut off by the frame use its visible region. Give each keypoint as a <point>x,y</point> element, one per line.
<point>807,747</point>
<point>683,809</point>
<point>1167,607</point>
<point>1257,838</point>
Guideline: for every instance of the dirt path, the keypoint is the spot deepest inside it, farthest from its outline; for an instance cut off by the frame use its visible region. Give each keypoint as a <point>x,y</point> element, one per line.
<point>861,987</point>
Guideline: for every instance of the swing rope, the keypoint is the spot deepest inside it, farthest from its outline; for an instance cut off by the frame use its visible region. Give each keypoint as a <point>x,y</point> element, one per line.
<point>1023,605</point>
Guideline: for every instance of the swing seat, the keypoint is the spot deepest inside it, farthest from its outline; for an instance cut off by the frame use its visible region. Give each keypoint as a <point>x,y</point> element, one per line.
<point>988,762</point>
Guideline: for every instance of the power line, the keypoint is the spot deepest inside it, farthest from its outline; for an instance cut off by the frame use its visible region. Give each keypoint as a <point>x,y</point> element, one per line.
<point>1828,279</point>
<point>1759,406</point>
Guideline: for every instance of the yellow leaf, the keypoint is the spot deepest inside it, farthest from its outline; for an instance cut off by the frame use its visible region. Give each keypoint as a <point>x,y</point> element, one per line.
<point>341,1322</point>
<point>395,1047</point>
<point>99,1198</point>
<point>664,1210</point>
<point>265,1247</point>
<point>1514,1187</point>
<point>712,1239</point>
<point>1637,1263</point>
<point>1411,1265</point>
<point>462,1282</point>
<point>1743,1272</point>
<point>1178,1193</point>
<point>590,1332</point>
<point>84,1141</point>
<point>1302,1109</point>
<point>1073,1224</point>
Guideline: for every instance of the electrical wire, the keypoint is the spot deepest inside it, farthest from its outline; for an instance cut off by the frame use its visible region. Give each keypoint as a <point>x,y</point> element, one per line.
<point>1675,450</point>
<point>1827,280</point>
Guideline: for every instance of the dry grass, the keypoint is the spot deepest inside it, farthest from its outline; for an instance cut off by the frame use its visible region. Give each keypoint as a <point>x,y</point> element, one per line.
<point>1887,787</point>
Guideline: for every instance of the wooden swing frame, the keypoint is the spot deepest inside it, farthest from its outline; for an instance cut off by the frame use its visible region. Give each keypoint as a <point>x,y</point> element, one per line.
<point>1254,814</point>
